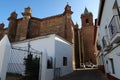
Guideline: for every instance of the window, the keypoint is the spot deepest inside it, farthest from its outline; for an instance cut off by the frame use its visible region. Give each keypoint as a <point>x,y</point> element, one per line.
<point>104,42</point>
<point>64,61</point>
<point>113,26</point>
<point>50,63</point>
<point>112,65</point>
<point>112,29</point>
<point>114,23</point>
<point>87,21</point>
<point>106,62</point>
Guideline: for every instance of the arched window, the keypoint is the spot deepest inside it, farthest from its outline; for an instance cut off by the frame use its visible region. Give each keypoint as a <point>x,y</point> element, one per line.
<point>87,21</point>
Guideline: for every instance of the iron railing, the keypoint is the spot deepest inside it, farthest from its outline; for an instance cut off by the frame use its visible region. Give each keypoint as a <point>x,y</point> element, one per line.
<point>114,26</point>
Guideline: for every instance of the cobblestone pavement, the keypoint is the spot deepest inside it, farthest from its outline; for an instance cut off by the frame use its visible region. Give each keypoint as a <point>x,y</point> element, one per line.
<point>84,75</point>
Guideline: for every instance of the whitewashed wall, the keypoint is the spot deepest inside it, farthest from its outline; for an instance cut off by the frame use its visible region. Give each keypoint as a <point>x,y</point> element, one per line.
<point>115,55</point>
<point>50,46</point>
<point>100,59</point>
<point>63,49</point>
<point>4,56</point>
<point>118,2</point>
<point>43,44</point>
<point>105,20</point>
<point>49,74</point>
<point>106,17</point>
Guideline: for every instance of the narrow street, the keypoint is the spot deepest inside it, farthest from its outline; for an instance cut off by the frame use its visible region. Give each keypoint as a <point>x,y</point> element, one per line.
<point>84,75</point>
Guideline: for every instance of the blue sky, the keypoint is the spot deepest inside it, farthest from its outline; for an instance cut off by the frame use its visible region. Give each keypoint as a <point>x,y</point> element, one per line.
<point>46,8</point>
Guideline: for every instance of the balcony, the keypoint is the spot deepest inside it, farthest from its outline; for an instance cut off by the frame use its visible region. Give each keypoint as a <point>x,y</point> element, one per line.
<point>106,43</point>
<point>114,29</point>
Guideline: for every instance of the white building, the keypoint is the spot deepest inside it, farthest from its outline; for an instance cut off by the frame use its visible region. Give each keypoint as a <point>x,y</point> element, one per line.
<point>4,56</point>
<point>51,47</point>
<point>109,37</point>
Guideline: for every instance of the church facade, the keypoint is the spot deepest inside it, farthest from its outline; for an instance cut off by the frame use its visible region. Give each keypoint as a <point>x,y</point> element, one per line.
<point>28,27</point>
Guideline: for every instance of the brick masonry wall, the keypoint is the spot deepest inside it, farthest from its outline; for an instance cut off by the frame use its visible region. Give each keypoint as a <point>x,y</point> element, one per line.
<point>22,27</point>
<point>88,43</point>
<point>1,32</point>
<point>34,27</point>
<point>87,16</point>
<point>12,30</point>
<point>54,25</point>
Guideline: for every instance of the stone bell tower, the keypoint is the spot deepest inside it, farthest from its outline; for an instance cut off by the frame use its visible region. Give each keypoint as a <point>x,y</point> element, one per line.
<point>87,18</point>
<point>87,34</point>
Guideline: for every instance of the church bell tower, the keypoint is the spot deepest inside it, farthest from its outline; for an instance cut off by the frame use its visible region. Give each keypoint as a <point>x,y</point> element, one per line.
<point>87,18</point>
